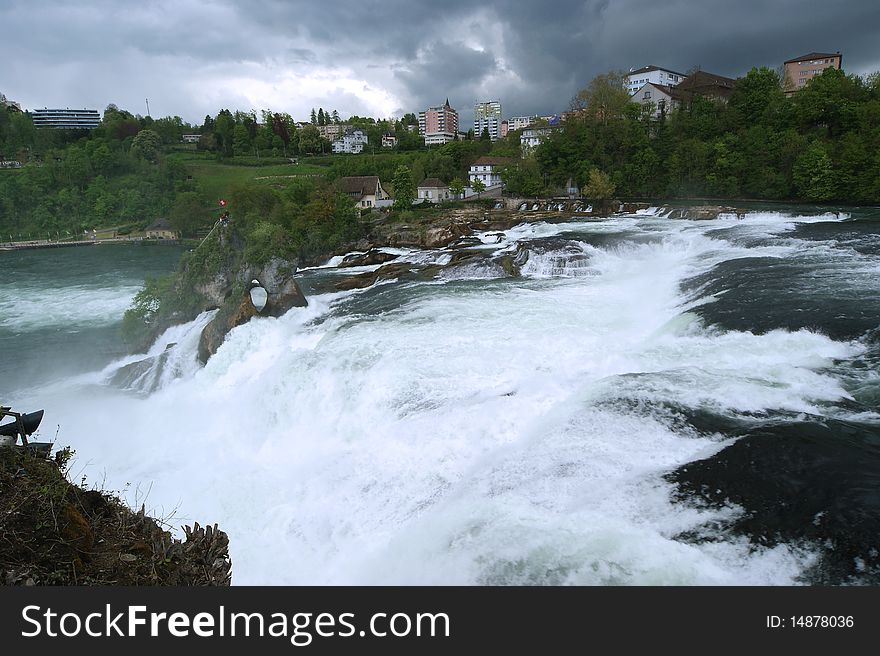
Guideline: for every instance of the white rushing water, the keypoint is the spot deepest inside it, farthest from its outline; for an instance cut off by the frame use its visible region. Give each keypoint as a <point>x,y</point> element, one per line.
<point>469,434</point>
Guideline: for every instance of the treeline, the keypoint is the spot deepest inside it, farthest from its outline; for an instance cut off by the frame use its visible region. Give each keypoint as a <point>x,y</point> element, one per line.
<point>820,144</point>
<point>76,180</point>
<point>276,134</point>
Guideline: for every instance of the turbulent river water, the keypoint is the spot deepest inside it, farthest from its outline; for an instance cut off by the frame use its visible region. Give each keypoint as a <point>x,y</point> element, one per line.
<point>652,402</point>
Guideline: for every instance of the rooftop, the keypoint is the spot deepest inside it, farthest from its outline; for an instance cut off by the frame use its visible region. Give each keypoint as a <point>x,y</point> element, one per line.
<point>648,69</point>
<point>492,161</point>
<point>814,55</point>
<point>360,185</point>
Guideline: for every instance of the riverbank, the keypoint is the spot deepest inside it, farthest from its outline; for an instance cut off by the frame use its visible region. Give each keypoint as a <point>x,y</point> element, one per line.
<point>58,533</point>
<point>48,243</point>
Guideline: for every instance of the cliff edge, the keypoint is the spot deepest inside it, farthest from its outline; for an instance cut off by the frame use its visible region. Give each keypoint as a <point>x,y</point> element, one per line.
<point>57,533</point>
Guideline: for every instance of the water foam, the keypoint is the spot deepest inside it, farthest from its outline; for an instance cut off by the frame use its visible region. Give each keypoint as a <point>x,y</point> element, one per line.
<point>469,435</point>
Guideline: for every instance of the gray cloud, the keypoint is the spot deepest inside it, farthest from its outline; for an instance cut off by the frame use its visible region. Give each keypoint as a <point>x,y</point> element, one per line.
<point>192,57</point>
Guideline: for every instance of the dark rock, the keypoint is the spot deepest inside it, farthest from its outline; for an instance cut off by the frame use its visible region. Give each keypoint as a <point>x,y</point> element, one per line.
<point>368,259</point>
<point>441,236</point>
<point>369,278</point>
<point>277,279</point>
<point>507,263</point>
<point>215,332</point>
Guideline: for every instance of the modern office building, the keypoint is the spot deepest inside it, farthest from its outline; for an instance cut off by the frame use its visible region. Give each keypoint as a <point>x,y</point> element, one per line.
<point>438,125</point>
<point>487,116</point>
<point>66,119</point>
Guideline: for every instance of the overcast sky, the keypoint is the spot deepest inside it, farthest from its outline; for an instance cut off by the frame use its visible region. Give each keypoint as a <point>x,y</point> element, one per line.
<point>383,58</point>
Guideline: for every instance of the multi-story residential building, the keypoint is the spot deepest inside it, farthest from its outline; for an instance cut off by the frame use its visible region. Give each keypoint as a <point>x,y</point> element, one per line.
<point>389,140</point>
<point>520,122</point>
<point>190,138</point>
<point>800,70</point>
<point>488,170</point>
<point>504,128</point>
<point>332,131</point>
<point>438,125</point>
<point>663,98</point>
<point>635,80</point>
<point>534,136</point>
<point>352,141</point>
<point>66,119</point>
<point>487,116</point>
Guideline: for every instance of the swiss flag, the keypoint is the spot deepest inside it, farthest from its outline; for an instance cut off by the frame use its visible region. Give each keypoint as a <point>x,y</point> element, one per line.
<point>222,203</point>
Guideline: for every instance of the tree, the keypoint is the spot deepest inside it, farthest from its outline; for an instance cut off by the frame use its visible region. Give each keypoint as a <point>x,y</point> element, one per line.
<point>146,145</point>
<point>604,99</point>
<point>484,135</point>
<point>224,125</point>
<point>309,139</point>
<point>335,117</point>
<point>241,140</point>
<point>814,175</point>
<point>829,100</point>
<point>456,187</point>
<point>478,186</point>
<point>188,214</point>
<point>599,187</point>
<point>404,189</point>
<point>321,119</point>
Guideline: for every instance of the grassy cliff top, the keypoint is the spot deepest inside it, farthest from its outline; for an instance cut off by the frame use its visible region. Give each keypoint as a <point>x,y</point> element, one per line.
<point>53,532</point>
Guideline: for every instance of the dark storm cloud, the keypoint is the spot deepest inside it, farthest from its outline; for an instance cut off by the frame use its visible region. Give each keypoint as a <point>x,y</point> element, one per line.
<point>191,57</point>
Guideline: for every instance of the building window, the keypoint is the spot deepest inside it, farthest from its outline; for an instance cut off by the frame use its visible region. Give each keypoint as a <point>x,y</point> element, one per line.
<point>647,94</point>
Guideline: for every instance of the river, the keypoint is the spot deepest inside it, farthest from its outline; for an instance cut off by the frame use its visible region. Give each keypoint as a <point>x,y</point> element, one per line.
<point>653,402</point>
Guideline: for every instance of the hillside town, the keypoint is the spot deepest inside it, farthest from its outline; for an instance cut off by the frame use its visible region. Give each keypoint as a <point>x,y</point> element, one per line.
<point>657,90</point>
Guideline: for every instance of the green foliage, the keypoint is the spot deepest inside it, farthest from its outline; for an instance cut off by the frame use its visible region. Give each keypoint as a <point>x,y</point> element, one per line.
<point>143,314</point>
<point>265,241</point>
<point>478,186</point>
<point>404,188</point>
<point>523,178</point>
<point>456,186</point>
<point>189,213</point>
<point>814,175</point>
<point>746,147</point>
<point>147,145</point>
<point>604,99</point>
<point>599,186</point>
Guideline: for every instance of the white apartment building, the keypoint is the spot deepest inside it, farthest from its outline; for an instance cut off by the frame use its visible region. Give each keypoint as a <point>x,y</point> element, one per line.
<point>635,80</point>
<point>534,136</point>
<point>487,170</point>
<point>487,116</point>
<point>352,142</point>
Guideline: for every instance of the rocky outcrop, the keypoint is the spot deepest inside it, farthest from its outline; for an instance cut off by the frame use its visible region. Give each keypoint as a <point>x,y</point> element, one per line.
<point>369,278</point>
<point>229,317</point>
<point>704,212</point>
<point>441,236</point>
<point>276,277</point>
<point>370,258</point>
<point>57,533</point>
